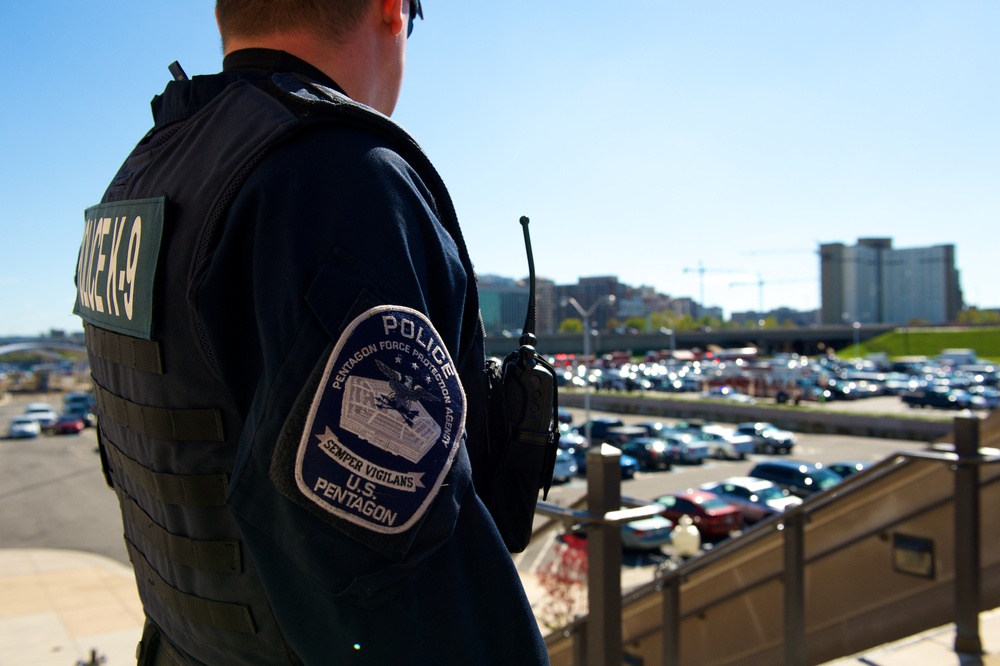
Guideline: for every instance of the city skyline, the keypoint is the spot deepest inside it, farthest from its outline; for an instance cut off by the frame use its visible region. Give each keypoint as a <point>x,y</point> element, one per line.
<point>731,137</point>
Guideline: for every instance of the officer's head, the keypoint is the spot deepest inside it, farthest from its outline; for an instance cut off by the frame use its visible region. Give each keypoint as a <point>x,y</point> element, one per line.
<point>360,43</point>
<point>260,18</point>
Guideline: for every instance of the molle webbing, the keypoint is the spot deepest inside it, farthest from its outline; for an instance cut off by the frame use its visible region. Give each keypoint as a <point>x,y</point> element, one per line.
<point>129,352</point>
<point>221,556</point>
<point>191,490</point>
<point>184,425</point>
<point>216,614</point>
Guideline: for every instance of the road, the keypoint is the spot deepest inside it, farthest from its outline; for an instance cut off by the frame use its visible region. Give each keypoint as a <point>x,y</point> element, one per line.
<point>52,491</point>
<point>53,494</point>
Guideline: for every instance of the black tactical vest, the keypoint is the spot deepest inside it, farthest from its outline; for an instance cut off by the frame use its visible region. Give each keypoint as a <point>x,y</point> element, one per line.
<point>166,426</point>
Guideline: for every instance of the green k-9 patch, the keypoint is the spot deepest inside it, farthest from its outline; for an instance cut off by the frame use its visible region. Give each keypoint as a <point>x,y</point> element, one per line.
<point>117,265</point>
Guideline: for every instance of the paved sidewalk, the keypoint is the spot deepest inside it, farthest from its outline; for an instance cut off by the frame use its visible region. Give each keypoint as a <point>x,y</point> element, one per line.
<point>58,605</point>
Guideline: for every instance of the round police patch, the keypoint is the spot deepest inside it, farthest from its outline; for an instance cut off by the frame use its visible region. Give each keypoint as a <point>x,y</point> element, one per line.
<point>385,423</point>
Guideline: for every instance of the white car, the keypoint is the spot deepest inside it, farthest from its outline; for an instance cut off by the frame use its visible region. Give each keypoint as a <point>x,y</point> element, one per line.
<point>728,393</point>
<point>24,426</point>
<point>685,448</point>
<point>725,444</point>
<point>43,413</point>
<point>756,498</point>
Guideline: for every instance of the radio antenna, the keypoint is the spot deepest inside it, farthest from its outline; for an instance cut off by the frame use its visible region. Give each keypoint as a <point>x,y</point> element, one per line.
<point>528,332</point>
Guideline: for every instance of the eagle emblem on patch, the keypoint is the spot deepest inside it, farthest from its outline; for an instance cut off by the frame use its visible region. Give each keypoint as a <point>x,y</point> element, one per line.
<point>385,423</point>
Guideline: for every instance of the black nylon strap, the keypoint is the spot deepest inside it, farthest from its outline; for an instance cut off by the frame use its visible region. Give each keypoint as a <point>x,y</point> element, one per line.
<point>185,425</point>
<point>133,353</point>
<point>222,556</point>
<point>216,614</point>
<point>192,490</point>
<point>155,650</point>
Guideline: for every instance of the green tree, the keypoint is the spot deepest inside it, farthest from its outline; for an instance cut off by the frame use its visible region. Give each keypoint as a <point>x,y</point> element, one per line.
<point>975,316</point>
<point>571,325</point>
<point>638,323</point>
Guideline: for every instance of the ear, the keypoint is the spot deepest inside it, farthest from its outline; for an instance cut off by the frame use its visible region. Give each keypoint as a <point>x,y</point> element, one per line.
<point>392,15</point>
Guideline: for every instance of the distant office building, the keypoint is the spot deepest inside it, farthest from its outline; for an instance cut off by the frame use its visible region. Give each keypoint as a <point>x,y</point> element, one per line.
<point>586,292</point>
<point>685,306</point>
<point>873,283</point>
<point>504,303</point>
<point>546,306</point>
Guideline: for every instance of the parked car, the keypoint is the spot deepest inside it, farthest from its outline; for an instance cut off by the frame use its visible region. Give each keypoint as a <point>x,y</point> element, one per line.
<point>69,424</point>
<point>647,533</point>
<point>77,402</point>
<point>43,413</point>
<point>989,394</point>
<point>712,515</point>
<point>565,467</point>
<point>687,426</point>
<point>24,427</point>
<point>569,438</point>
<point>651,452</point>
<point>654,428</point>
<point>846,468</point>
<point>943,397</point>
<point>686,449</point>
<point>725,444</point>
<point>768,438</point>
<point>728,393</point>
<point>621,434</point>
<point>756,498</point>
<point>564,415</point>
<point>644,534</point>
<point>599,428</point>
<point>799,478</point>
<point>628,464</point>
<point>85,412</point>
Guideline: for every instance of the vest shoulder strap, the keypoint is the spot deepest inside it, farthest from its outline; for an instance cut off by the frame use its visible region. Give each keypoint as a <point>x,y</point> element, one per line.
<point>314,102</point>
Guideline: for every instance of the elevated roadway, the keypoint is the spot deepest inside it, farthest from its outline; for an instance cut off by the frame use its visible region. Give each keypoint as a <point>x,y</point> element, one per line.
<point>802,340</point>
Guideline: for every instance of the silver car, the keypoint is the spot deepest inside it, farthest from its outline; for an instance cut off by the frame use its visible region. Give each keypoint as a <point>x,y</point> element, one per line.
<point>756,498</point>
<point>565,467</point>
<point>686,448</point>
<point>23,427</point>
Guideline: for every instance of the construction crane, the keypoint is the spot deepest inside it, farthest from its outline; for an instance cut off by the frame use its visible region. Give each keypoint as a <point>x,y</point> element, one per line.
<point>701,270</point>
<point>760,287</point>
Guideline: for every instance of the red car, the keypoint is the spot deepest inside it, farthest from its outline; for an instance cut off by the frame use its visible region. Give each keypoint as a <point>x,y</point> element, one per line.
<point>69,424</point>
<point>713,516</point>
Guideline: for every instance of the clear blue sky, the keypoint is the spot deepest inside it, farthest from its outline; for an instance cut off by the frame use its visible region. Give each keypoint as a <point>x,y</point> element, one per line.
<point>641,138</point>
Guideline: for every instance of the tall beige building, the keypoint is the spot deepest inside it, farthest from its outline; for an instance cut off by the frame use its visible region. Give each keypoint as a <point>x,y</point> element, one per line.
<point>874,283</point>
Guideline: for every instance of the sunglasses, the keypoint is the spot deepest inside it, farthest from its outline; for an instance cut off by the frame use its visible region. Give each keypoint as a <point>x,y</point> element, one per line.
<point>415,11</point>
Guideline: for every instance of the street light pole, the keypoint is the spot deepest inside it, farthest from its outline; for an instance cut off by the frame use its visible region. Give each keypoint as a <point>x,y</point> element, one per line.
<point>585,315</point>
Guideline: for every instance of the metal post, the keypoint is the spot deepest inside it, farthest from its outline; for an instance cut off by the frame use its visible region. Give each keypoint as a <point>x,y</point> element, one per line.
<point>604,555</point>
<point>795,590</point>
<point>585,316</point>
<point>672,621</point>
<point>586,379</point>
<point>967,537</point>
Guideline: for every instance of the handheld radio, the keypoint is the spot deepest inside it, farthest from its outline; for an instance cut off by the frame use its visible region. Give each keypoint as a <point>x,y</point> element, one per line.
<point>524,405</point>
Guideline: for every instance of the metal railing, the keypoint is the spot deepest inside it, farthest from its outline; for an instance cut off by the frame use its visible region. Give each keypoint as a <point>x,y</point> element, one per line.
<point>597,638</point>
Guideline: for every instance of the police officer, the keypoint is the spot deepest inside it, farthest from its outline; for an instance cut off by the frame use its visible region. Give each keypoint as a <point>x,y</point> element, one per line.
<point>284,336</point>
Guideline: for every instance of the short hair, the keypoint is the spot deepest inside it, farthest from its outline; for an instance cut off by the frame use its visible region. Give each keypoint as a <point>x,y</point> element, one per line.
<point>257,18</point>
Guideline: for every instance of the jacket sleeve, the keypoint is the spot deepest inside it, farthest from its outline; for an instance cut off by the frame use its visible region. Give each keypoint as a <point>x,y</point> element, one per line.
<point>334,306</point>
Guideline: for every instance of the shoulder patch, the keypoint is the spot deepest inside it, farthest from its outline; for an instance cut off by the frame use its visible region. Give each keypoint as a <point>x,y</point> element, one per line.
<point>385,423</point>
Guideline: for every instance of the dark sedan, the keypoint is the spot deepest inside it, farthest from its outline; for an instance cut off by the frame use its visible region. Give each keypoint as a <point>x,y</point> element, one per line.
<point>652,453</point>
